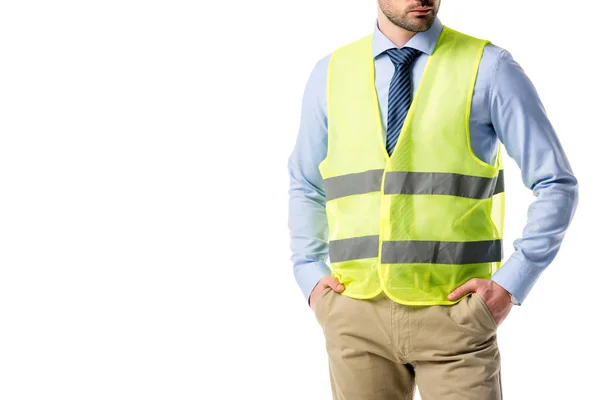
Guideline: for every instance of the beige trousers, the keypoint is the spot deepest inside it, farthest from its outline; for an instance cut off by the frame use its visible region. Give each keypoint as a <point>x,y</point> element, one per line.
<point>380,350</point>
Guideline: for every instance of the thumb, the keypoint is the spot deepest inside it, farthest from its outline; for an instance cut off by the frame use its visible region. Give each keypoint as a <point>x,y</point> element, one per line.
<point>332,283</point>
<point>467,287</point>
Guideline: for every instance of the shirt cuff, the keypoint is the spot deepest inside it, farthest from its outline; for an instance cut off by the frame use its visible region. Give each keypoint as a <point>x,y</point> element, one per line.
<point>516,278</point>
<point>309,274</point>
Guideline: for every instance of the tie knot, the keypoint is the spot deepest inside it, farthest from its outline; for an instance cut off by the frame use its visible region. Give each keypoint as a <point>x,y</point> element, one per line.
<point>403,56</point>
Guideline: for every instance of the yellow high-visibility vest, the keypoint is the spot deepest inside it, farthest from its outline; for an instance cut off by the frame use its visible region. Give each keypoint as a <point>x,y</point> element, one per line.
<point>428,218</point>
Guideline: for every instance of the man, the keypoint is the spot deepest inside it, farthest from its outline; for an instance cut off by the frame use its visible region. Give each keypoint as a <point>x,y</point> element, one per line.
<point>397,176</point>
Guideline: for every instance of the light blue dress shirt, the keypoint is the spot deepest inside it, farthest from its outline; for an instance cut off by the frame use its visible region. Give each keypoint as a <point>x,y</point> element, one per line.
<point>505,108</point>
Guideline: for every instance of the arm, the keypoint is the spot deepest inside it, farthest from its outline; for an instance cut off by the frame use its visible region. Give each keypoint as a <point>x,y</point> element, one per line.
<point>307,220</point>
<point>521,124</point>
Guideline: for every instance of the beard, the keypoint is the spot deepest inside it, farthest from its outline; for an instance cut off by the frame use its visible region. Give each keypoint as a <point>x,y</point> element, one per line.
<point>408,21</point>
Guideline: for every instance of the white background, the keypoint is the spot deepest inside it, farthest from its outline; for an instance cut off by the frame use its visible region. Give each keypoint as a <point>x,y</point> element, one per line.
<point>144,249</point>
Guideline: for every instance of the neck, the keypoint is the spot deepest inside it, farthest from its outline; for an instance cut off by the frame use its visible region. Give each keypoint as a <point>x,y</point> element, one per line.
<point>393,32</point>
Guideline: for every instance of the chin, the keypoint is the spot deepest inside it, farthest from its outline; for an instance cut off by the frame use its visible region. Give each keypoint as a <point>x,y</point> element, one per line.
<point>420,24</point>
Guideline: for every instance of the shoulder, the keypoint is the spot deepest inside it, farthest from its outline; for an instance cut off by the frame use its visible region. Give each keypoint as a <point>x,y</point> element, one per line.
<point>506,80</point>
<point>495,52</point>
<point>492,54</point>
<point>322,64</point>
<point>354,48</point>
<point>318,76</point>
<point>494,58</point>
<point>315,91</point>
<point>498,71</point>
<point>317,81</point>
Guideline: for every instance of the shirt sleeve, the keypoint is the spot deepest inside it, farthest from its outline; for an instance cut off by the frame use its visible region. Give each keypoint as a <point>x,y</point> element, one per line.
<point>523,127</point>
<point>307,220</point>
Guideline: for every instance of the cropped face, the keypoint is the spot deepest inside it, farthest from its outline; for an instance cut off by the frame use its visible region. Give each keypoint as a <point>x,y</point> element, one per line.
<point>412,15</point>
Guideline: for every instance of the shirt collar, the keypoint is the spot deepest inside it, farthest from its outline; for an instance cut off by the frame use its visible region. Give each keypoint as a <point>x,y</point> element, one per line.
<point>423,41</point>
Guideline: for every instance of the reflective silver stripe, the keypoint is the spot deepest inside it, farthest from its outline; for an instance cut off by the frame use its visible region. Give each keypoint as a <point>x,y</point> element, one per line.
<point>443,183</point>
<point>358,183</point>
<point>414,251</point>
<point>500,182</point>
<point>353,248</point>
<point>474,187</point>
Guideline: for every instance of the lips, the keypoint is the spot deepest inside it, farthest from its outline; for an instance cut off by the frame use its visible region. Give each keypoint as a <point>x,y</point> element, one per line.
<point>421,10</point>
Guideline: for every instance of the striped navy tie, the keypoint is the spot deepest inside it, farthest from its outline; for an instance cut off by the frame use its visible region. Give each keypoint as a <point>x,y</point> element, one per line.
<point>400,95</point>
